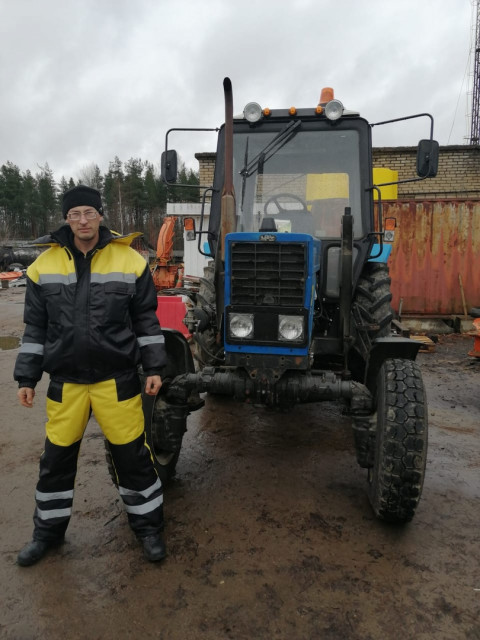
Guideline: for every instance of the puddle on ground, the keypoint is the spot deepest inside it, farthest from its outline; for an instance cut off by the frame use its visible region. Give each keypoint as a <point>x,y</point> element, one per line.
<point>9,342</point>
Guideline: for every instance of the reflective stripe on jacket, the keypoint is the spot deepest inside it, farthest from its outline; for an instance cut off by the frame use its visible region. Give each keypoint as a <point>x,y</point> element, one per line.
<point>93,328</point>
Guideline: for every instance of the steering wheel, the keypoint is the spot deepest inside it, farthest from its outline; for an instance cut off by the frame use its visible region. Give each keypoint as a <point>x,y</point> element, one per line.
<point>275,200</point>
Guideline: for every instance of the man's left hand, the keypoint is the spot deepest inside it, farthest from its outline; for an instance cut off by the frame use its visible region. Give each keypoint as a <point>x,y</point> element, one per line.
<point>153,385</point>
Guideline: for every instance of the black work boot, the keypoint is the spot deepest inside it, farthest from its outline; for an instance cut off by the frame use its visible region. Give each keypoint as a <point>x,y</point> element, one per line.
<point>154,547</point>
<point>34,551</point>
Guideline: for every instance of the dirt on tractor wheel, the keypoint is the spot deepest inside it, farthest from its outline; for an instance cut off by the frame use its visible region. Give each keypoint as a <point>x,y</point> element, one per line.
<point>269,529</point>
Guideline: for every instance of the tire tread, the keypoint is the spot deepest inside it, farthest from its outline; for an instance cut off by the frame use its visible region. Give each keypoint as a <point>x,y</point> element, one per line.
<point>400,457</point>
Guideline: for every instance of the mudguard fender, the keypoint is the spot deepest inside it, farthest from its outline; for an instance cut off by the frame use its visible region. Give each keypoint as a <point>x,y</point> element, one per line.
<point>179,355</point>
<point>385,348</point>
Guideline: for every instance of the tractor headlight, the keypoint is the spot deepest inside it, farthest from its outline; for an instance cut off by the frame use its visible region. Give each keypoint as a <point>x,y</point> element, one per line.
<point>240,325</point>
<point>334,109</point>
<point>290,327</point>
<point>252,112</point>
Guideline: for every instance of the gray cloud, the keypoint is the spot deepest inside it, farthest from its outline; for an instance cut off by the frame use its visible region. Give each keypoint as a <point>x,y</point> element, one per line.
<point>83,82</point>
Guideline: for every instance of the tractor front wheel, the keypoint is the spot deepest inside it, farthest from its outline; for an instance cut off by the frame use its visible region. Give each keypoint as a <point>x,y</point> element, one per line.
<point>165,426</point>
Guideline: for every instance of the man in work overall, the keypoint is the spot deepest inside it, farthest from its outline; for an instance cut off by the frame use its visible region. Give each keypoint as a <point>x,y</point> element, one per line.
<point>90,320</point>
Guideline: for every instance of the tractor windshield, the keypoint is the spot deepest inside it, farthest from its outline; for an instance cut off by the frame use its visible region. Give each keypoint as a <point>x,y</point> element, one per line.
<point>299,180</point>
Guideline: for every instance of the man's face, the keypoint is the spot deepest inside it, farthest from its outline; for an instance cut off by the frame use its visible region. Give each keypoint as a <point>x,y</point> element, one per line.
<point>84,222</point>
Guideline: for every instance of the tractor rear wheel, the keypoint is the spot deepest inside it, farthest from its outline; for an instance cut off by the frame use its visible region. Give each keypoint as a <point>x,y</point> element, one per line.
<point>205,349</point>
<point>373,298</point>
<point>396,478</point>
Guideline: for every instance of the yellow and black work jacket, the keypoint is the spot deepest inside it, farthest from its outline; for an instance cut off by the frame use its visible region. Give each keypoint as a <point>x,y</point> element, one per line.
<point>89,317</point>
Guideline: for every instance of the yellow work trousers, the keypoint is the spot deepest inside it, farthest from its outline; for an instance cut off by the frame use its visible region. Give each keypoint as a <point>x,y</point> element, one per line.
<point>117,406</point>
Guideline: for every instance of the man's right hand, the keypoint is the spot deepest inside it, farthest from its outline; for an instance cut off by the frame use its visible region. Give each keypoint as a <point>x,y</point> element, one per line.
<point>26,396</point>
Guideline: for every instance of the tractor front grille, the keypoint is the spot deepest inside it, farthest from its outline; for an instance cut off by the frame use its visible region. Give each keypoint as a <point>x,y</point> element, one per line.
<point>265,274</point>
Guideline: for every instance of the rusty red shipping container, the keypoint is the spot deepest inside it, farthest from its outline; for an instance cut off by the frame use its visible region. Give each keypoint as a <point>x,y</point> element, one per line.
<point>435,243</point>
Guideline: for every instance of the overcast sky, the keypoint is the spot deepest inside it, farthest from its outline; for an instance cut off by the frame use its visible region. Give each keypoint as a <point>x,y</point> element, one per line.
<point>85,81</point>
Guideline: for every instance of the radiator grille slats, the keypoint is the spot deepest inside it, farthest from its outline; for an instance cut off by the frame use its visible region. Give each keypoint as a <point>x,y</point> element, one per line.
<point>268,274</point>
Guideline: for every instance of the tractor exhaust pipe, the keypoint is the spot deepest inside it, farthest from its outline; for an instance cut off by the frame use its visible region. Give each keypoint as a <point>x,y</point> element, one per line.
<point>228,215</point>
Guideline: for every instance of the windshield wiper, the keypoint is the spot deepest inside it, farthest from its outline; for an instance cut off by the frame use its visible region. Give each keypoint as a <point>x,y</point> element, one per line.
<point>271,148</point>
<point>244,177</point>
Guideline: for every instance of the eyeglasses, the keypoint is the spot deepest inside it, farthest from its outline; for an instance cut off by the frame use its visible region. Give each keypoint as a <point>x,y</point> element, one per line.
<point>75,216</point>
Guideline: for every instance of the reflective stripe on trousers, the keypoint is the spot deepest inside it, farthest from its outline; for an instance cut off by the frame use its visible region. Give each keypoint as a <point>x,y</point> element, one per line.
<point>117,406</point>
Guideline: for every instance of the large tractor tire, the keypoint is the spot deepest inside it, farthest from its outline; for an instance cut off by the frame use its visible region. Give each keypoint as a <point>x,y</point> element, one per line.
<point>396,478</point>
<point>206,351</point>
<point>373,297</point>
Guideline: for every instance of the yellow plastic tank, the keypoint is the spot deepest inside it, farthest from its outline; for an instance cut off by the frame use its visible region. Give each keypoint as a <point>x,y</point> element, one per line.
<point>380,175</point>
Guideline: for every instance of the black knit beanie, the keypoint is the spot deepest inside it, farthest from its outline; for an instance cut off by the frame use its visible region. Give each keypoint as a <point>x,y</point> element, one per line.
<point>81,196</point>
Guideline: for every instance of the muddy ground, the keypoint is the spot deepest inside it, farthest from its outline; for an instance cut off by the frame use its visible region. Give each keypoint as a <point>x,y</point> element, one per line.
<point>269,530</point>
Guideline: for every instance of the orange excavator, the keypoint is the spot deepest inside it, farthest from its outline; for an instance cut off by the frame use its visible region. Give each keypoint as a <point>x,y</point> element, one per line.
<point>167,273</point>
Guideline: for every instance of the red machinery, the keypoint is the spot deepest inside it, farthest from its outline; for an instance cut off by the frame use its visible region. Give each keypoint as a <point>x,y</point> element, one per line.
<point>170,312</point>
<point>167,274</point>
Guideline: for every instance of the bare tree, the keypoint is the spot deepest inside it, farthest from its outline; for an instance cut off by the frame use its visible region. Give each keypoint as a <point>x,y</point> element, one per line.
<point>91,176</point>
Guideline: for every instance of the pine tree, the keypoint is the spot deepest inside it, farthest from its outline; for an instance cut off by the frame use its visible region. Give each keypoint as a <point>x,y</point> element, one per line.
<point>135,195</point>
<point>11,201</point>
<point>50,213</point>
<point>33,207</point>
<point>112,194</point>
<point>185,191</point>
<point>63,186</point>
<point>156,201</point>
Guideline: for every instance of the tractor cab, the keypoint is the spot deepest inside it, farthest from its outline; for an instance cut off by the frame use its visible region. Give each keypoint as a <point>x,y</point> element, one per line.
<point>296,172</point>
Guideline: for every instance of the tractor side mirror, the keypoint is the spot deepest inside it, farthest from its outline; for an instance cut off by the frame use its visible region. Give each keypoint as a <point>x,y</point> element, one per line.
<point>169,166</point>
<point>427,158</point>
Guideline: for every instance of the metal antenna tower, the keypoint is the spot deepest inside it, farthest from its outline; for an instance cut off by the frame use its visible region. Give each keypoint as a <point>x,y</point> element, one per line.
<point>475,126</point>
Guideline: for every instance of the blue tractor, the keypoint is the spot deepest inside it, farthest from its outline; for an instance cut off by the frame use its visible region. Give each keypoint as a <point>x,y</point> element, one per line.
<point>294,305</point>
